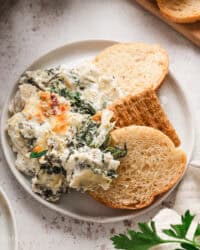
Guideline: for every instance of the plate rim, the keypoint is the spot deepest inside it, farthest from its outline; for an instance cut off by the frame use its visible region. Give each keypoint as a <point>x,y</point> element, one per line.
<point>12,216</point>
<point>100,219</point>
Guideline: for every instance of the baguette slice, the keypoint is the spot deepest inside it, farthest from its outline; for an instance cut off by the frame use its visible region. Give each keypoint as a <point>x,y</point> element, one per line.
<point>151,167</point>
<point>136,66</point>
<point>142,109</point>
<point>180,11</point>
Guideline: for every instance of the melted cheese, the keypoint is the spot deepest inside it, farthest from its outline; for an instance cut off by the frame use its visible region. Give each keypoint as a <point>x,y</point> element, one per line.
<point>86,179</point>
<point>86,167</point>
<point>44,120</point>
<point>53,181</point>
<point>97,88</point>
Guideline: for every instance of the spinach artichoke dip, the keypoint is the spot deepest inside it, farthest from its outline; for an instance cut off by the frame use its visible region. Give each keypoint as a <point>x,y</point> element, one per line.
<point>52,131</point>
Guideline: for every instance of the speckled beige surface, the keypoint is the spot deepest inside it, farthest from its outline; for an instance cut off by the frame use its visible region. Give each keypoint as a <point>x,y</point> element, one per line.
<point>31,28</point>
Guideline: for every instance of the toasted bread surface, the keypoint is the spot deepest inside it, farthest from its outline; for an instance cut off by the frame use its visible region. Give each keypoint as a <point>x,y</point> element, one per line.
<point>142,109</point>
<point>180,11</point>
<point>136,66</point>
<point>151,167</point>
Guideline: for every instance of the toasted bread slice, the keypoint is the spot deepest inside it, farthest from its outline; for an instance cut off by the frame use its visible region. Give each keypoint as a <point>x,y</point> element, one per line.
<point>142,109</point>
<point>136,66</point>
<point>180,11</point>
<point>151,167</point>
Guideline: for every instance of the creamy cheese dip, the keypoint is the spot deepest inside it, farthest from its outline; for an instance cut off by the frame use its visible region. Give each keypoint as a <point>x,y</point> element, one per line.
<point>94,86</point>
<point>57,142</point>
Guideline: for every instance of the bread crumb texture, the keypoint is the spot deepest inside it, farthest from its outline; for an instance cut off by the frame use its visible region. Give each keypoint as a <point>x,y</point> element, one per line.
<point>135,66</point>
<point>151,167</point>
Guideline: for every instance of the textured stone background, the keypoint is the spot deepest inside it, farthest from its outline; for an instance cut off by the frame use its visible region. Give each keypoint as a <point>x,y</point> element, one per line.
<point>31,28</point>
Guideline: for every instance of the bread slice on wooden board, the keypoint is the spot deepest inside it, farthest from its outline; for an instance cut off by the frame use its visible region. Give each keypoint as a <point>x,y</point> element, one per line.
<point>136,66</point>
<point>180,11</point>
<point>142,109</point>
<point>151,167</point>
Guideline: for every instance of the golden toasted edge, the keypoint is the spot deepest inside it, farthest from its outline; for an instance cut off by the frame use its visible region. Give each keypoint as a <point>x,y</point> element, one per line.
<point>152,198</point>
<point>176,19</point>
<point>97,117</point>
<point>143,109</point>
<point>139,44</point>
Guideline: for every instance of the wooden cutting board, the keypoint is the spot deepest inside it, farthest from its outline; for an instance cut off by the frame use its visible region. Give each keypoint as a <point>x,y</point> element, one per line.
<point>190,31</point>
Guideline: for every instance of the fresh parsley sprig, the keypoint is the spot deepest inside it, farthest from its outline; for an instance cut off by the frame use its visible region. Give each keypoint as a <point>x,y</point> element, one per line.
<point>148,237</point>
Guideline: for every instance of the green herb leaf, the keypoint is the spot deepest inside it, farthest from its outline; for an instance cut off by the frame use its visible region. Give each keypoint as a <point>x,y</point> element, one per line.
<point>106,142</point>
<point>197,232</point>
<point>143,240</point>
<point>38,154</point>
<point>188,246</point>
<point>80,105</point>
<point>76,102</point>
<point>180,230</point>
<point>169,232</point>
<point>63,92</point>
<point>87,132</point>
<point>147,237</point>
<point>116,151</point>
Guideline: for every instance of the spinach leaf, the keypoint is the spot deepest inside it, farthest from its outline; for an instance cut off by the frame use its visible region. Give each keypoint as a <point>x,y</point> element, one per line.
<point>87,132</point>
<point>79,105</point>
<point>116,151</point>
<point>37,154</point>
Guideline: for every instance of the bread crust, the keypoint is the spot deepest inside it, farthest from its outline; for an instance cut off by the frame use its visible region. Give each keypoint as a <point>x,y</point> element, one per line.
<point>145,133</point>
<point>136,66</point>
<point>171,13</point>
<point>143,205</point>
<point>143,109</point>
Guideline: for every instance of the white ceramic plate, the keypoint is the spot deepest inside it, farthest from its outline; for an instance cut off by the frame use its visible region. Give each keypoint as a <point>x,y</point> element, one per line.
<point>79,205</point>
<point>8,235</point>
